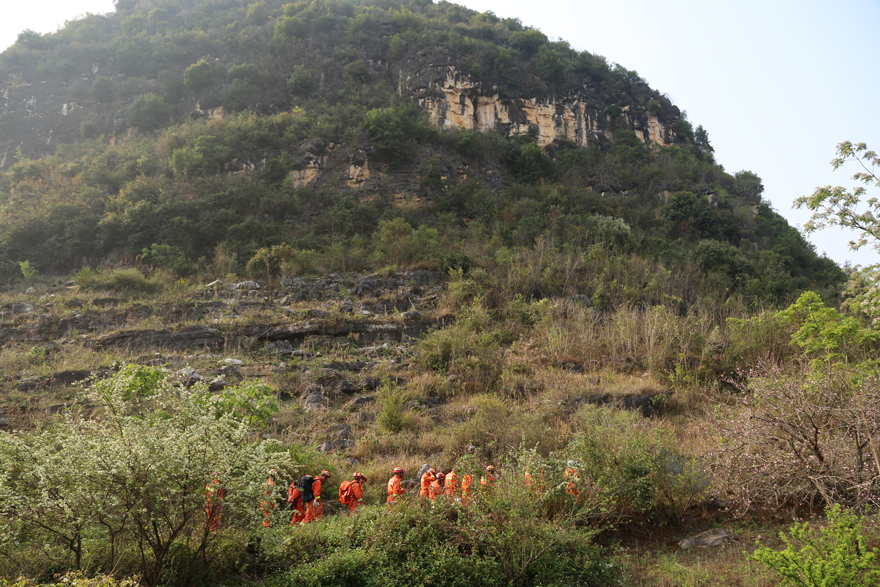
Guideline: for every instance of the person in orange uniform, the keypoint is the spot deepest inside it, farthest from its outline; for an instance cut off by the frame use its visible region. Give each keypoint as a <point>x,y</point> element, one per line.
<point>351,493</point>
<point>214,493</point>
<point>572,478</point>
<point>315,509</point>
<point>294,498</point>
<point>428,478</point>
<point>267,503</point>
<point>488,480</point>
<point>537,486</point>
<point>394,488</point>
<point>466,482</point>
<point>451,488</point>
<point>436,488</point>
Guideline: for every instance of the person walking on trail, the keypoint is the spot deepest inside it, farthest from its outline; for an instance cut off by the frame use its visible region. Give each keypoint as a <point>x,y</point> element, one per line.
<point>436,489</point>
<point>267,503</point>
<point>572,479</point>
<point>451,487</point>
<point>466,483</point>
<point>535,485</point>
<point>488,480</point>
<point>428,479</point>
<point>214,493</point>
<point>394,488</point>
<point>314,507</point>
<point>295,499</point>
<point>351,493</point>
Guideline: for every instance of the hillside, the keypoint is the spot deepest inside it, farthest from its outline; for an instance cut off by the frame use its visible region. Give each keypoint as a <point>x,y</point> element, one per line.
<point>359,235</point>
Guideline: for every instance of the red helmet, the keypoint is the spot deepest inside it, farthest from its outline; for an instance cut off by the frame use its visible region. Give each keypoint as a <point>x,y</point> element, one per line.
<point>441,476</point>
<point>360,476</point>
<point>490,468</point>
<point>398,471</point>
<point>325,473</point>
<point>431,471</point>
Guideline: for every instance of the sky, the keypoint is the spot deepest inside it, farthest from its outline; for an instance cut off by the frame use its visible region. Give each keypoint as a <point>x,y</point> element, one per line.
<point>776,83</point>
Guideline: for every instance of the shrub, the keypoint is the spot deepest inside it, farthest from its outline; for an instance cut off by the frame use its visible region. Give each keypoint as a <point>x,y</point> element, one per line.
<point>148,112</point>
<point>131,479</point>
<point>102,90</point>
<point>239,95</point>
<point>833,555</point>
<point>300,80</point>
<point>197,76</point>
<point>799,439</point>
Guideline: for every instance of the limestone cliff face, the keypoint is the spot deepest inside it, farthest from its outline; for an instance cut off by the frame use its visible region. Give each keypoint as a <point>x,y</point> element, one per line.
<point>453,99</point>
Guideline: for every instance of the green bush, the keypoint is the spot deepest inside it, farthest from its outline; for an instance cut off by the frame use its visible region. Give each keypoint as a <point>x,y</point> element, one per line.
<point>300,80</point>
<point>835,554</point>
<point>197,76</point>
<point>148,112</point>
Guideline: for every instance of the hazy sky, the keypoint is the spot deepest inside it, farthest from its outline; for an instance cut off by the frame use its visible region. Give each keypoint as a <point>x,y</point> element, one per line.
<point>776,83</point>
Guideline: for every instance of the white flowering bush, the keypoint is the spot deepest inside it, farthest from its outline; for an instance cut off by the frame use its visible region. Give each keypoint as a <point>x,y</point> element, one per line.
<point>124,486</point>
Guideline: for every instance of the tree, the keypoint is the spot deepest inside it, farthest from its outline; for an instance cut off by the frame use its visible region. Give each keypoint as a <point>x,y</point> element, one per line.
<point>148,112</point>
<point>129,479</point>
<point>837,206</point>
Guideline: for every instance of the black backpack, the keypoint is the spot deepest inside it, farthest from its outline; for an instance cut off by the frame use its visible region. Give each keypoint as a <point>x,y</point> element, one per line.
<point>305,488</point>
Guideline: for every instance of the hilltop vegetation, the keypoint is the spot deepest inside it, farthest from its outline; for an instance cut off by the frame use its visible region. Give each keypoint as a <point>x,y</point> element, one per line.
<point>246,245</point>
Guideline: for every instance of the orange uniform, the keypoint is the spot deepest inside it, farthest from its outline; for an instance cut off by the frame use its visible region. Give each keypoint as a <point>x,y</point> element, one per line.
<point>294,498</point>
<point>536,486</point>
<point>451,485</point>
<point>213,494</point>
<point>487,481</point>
<point>354,493</point>
<point>394,489</point>
<point>315,509</point>
<point>572,478</point>
<point>267,504</point>
<point>436,488</point>
<point>466,483</point>
<point>427,480</point>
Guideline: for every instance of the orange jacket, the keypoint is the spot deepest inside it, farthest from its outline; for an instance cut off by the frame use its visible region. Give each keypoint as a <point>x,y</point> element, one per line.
<point>214,490</point>
<point>352,490</point>
<point>436,489</point>
<point>394,489</point>
<point>487,481</point>
<point>425,489</point>
<point>316,487</point>
<point>451,484</point>
<point>536,487</point>
<point>572,479</point>
<point>466,483</point>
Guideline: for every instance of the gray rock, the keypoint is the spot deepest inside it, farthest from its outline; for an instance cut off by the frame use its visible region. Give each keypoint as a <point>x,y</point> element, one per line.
<point>315,313</point>
<point>235,362</point>
<point>5,423</point>
<point>714,537</point>
<point>22,309</point>
<point>281,347</point>
<point>217,384</point>
<point>359,402</point>
<point>189,376</point>
<point>338,432</point>
<point>314,401</point>
<point>334,445</point>
<point>411,315</point>
<point>246,286</point>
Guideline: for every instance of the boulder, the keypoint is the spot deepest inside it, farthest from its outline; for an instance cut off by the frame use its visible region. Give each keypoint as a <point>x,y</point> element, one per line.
<point>338,432</point>
<point>314,401</point>
<point>713,537</point>
<point>334,445</point>
<point>359,402</point>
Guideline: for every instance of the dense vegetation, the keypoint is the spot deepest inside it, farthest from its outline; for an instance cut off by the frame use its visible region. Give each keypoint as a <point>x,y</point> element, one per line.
<point>630,311</point>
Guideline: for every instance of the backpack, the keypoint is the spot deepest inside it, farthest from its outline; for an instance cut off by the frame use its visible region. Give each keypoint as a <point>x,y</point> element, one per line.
<point>305,488</point>
<point>345,492</point>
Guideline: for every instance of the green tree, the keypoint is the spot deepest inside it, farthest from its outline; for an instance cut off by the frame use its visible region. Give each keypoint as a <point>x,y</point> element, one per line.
<point>838,206</point>
<point>197,76</point>
<point>300,80</point>
<point>148,112</point>
<point>131,477</point>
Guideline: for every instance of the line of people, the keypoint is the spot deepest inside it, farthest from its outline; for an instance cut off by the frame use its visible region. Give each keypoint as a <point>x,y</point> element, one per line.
<point>304,496</point>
